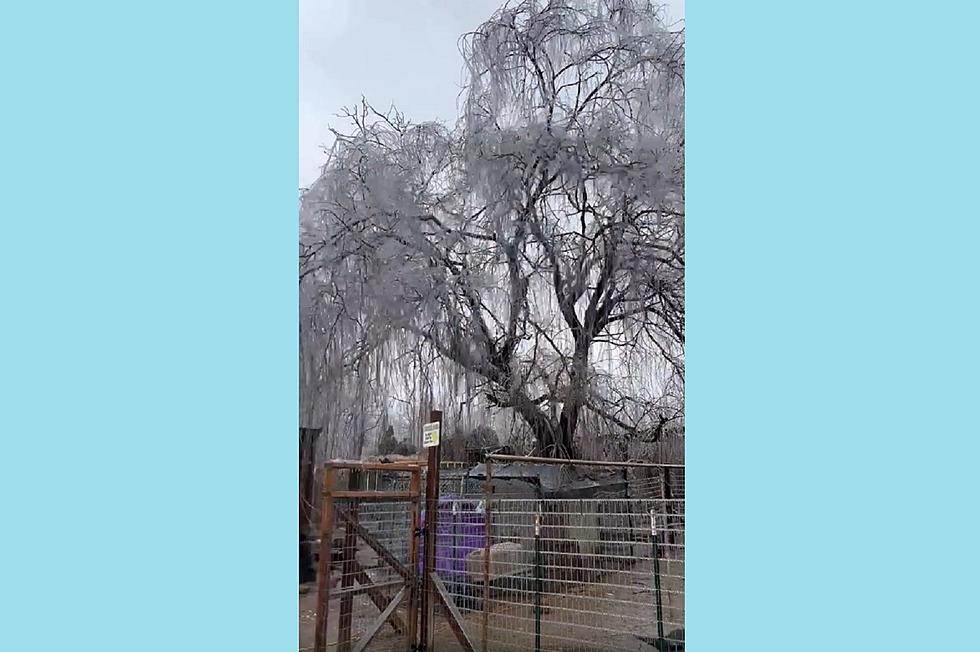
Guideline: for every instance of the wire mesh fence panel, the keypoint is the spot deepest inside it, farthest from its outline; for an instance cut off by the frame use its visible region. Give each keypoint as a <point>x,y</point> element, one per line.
<point>454,480</point>
<point>460,536</point>
<point>587,580</point>
<point>366,563</point>
<point>598,573</point>
<point>556,560</point>
<point>369,564</point>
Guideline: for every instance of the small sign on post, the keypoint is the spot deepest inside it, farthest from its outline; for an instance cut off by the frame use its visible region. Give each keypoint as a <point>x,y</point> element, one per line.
<point>430,434</point>
<point>430,593</point>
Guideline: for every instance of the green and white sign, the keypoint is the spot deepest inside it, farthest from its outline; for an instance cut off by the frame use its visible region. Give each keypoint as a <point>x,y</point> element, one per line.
<point>430,434</point>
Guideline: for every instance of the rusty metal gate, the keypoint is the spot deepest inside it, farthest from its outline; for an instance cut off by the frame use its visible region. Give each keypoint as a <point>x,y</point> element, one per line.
<point>377,584</point>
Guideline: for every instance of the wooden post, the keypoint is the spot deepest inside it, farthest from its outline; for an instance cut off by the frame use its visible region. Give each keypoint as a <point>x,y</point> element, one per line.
<point>431,520</point>
<point>413,558</point>
<point>487,523</point>
<point>326,550</point>
<point>307,451</point>
<point>347,579</point>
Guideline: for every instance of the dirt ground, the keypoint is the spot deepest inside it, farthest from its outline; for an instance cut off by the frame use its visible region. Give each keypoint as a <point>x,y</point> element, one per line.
<point>364,614</point>
<point>589,618</point>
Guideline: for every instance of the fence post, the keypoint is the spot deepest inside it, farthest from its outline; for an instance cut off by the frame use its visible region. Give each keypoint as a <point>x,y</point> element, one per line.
<point>326,552</point>
<point>629,511</point>
<point>347,577</point>
<point>668,494</point>
<point>413,557</point>
<point>455,536</point>
<point>537,579</point>
<point>487,525</point>
<point>655,549</point>
<point>430,532</point>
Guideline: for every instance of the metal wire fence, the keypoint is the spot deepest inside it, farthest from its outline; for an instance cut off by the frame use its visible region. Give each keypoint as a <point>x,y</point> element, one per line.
<point>567,574</point>
<point>363,577</point>
<point>528,569</point>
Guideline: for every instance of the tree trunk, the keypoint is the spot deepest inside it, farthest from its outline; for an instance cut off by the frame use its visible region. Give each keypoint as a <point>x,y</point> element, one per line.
<point>564,445</point>
<point>567,424</point>
<point>555,439</point>
<point>551,437</point>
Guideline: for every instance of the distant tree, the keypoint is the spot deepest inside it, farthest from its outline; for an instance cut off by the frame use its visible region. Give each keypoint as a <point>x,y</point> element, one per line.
<point>387,444</point>
<point>482,438</point>
<point>405,448</point>
<point>457,446</point>
<point>537,248</point>
<point>454,448</point>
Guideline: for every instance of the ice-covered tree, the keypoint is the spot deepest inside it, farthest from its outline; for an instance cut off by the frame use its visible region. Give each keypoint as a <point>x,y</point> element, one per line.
<point>536,250</point>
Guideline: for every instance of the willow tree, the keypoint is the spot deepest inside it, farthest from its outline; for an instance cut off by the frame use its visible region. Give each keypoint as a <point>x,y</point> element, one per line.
<point>538,247</point>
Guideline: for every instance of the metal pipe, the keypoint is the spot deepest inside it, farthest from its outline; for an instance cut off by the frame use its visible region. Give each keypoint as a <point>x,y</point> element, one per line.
<point>537,580</point>
<point>487,524</point>
<point>430,532</point>
<point>550,460</point>
<point>656,574</point>
<point>415,487</point>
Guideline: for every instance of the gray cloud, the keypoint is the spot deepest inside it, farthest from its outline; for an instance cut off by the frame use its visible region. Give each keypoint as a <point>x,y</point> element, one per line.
<point>390,51</point>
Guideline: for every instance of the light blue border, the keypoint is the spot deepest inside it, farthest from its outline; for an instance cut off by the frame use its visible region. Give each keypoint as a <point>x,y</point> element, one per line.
<point>148,266</point>
<point>832,311</point>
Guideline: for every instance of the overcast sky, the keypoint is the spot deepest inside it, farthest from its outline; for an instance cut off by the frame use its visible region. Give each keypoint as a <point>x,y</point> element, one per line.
<point>402,52</point>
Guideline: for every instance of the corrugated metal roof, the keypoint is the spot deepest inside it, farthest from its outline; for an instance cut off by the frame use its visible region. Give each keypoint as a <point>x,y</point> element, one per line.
<point>552,479</point>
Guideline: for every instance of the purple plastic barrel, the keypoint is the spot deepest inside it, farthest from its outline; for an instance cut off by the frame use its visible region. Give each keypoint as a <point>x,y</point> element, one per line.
<point>457,535</point>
